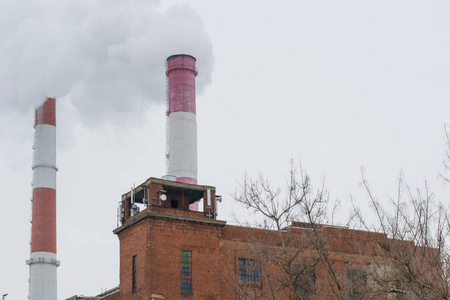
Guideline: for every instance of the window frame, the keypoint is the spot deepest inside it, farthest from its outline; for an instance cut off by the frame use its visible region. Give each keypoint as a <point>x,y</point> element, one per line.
<point>306,279</point>
<point>249,271</point>
<point>184,277</point>
<point>357,281</point>
<point>134,274</point>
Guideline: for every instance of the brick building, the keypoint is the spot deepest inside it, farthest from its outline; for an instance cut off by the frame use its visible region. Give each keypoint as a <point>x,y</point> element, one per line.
<point>170,252</point>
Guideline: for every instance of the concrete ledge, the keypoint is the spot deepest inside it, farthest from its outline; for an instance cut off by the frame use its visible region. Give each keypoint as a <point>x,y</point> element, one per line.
<point>164,216</point>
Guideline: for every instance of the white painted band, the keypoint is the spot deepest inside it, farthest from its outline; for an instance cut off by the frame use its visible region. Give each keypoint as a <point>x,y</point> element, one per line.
<point>182,143</point>
<point>44,177</point>
<point>44,145</point>
<point>43,278</point>
<point>46,255</point>
<point>43,258</point>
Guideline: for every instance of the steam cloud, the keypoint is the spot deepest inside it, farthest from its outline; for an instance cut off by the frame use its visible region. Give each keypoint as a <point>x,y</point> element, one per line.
<point>106,56</point>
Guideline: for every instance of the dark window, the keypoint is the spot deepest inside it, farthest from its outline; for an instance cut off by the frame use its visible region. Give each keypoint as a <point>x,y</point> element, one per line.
<point>249,271</point>
<point>307,283</point>
<point>357,283</point>
<point>174,203</point>
<point>134,273</point>
<point>186,272</point>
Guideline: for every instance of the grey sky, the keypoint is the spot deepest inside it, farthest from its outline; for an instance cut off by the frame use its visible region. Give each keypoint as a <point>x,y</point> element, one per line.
<point>337,84</point>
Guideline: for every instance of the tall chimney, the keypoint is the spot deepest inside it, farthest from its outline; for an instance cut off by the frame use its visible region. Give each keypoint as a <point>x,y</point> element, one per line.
<point>43,262</point>
<point>181,152</point>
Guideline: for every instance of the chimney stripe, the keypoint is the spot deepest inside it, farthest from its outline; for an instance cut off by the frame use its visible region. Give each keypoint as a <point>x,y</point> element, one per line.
<point>45,114</point>
<point>44,177</point>
<point>43,234</point>
<point>43,281</point>
<point>44,145</point>
<point>183,145</point>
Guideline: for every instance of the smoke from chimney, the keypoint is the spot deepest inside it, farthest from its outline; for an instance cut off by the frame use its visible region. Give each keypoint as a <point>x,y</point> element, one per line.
<point>106,62</point>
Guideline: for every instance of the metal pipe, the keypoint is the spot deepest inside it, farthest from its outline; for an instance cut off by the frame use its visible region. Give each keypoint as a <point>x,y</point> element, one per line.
<point>208,197</point>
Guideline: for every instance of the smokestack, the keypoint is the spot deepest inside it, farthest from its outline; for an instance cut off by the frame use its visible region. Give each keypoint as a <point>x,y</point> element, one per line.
<point>43,262</point>
<point>181,119</point>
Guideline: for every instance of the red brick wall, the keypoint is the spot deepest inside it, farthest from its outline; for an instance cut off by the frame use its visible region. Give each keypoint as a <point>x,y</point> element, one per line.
<point>215,252</point>
<point>158,245</point>
<point>168,239</point>
<point>134,242</point>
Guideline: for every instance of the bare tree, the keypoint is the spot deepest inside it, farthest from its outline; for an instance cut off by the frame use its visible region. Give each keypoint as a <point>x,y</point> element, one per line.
<point>414,242</point>
<point>294,246</point>
<point>446,161</point>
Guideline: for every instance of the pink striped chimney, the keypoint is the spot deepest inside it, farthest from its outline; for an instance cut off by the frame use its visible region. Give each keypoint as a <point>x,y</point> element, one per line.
<point>181,119</point>
<point>43,262</point>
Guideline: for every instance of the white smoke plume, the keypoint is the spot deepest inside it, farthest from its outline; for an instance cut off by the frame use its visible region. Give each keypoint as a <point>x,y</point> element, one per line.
<point>106,56</point>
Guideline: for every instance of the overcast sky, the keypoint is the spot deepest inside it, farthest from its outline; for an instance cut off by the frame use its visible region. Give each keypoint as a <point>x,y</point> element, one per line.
<point>337,85</point>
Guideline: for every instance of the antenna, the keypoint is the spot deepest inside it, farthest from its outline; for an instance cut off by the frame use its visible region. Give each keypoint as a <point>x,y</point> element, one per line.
<point>134,207</point>
<point>132,194</point>
<point>144,200</point>
<point>208,197</point>
<point>216,207</point>
<point>162,196</point>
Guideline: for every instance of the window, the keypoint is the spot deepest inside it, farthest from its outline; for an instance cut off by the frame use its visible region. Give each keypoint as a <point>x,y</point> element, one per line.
<point>307,283</point>
<point>186,272</point>
<point>174,203</point>
<point>305,275</point>
<point>249,271</point>
<point>134,273</point>
<point>357,283</point>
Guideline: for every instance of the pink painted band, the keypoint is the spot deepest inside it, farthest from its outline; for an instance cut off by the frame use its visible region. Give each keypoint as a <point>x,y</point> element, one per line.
<point>45,114</point>
<point>181,74</point>
<point>187,180</point>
